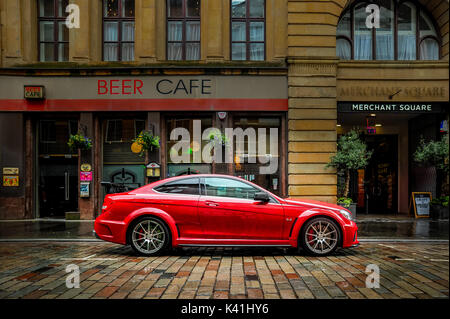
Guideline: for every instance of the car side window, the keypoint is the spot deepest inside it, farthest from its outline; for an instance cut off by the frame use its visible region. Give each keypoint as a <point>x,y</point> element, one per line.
<point>187,186</point>
<point>224,187</point>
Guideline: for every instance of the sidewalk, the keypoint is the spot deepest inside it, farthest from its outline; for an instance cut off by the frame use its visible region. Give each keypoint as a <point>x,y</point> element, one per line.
<point>370,227</point>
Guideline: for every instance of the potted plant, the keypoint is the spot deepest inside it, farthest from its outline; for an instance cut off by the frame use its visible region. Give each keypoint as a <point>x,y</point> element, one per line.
<point>79,142</point>
<point>352,154</point>
<point>439,207</point>
<point>435,153</point>
<point>148,142</point>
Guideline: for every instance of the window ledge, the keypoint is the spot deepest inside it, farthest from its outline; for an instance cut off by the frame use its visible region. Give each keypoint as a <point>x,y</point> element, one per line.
<point>393,64</point>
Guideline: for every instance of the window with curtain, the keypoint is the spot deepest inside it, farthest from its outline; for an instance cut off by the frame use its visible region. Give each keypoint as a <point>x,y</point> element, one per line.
<point>53,33</point>
<point>183,30</point>
<point>118,30</point>
<point>406,32</point>
<point>248,30</point>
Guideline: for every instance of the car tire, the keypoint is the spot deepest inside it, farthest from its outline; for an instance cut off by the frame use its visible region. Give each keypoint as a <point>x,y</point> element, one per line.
<point>149,236</point>
<point>320,236</point>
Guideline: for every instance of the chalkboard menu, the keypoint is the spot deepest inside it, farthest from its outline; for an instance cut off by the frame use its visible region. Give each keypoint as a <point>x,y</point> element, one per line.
<point>421,203</point>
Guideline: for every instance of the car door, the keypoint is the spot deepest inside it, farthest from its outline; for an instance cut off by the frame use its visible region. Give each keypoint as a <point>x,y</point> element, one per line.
<point>180,200</point>
<point>227,210</point>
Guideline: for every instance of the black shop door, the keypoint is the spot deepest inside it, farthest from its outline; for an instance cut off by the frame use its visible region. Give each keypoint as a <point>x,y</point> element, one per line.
<point>58,187</point>
<point>381,174</point>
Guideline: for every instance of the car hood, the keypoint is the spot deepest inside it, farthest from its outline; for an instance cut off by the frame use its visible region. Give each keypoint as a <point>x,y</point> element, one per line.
<point>313,203</point>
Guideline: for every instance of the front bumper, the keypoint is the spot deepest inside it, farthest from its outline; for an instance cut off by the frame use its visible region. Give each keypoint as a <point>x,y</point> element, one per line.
<point>350,235</point>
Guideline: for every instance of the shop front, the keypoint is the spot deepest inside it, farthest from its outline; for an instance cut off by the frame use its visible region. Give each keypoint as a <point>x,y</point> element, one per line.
<point>391,120</point>
<point>205,124</point>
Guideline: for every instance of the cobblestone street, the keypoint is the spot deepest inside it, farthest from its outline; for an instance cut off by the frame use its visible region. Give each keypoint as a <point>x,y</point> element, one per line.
<point>407,270</point>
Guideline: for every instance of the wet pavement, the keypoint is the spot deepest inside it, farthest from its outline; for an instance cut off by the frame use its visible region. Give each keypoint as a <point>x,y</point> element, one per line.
<point>107,271</point>
<point>370,226</point>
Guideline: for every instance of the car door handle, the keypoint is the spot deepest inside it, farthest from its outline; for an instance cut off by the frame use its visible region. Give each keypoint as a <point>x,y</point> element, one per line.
<point>212,204</point>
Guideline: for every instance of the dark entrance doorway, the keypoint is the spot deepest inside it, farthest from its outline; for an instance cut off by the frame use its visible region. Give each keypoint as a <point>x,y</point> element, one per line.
<point>380,176</point>
<point>58,169</point>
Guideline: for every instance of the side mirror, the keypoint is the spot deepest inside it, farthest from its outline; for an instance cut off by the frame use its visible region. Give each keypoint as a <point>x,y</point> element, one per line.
<point>261,197</point>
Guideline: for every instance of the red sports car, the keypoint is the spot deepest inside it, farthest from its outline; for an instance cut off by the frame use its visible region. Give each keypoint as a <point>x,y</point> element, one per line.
<point>220,210</point>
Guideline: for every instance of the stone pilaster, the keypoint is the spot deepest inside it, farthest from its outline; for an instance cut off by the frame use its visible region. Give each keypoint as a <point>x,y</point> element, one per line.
<point>11,32</point>
<point>79,47</point>
<point>212,30</point>
<point>145,36</point>
<point>312,129</point>
<point>87,206</point>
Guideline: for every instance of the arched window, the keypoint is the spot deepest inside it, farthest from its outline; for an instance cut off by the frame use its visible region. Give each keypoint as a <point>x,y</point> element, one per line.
<point>406,32</point>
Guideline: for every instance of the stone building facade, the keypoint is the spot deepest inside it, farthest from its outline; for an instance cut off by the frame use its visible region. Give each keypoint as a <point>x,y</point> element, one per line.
<point>301,85</point>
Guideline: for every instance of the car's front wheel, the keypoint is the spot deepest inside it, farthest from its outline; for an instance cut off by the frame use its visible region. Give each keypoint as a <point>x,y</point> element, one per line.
<point>149,236</point>
<point>320,236</point>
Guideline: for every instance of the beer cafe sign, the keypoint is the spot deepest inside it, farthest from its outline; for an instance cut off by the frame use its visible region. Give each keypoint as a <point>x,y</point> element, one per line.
<point>144,93</point>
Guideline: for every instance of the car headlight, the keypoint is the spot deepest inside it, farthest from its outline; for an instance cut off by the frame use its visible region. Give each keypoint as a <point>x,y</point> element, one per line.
<point>346,214</point>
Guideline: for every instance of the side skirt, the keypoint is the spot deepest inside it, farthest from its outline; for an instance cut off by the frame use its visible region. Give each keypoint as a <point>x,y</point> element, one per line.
<point>229,245</point>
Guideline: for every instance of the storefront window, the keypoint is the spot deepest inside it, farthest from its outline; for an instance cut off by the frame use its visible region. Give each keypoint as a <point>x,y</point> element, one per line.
<point>120,164</point>
<point>53,33</point>
<point>262,151</point>
<point>185,145</point>
<point>118,30</point>
<point>250,148</point>
<point>397,38</point>
<point>183,29</point>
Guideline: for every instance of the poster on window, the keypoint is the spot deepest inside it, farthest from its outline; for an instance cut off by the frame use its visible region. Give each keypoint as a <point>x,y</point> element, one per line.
<point>11,181</point>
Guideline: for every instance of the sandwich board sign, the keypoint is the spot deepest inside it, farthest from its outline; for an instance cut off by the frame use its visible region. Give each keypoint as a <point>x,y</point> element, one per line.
<point>421,203</point>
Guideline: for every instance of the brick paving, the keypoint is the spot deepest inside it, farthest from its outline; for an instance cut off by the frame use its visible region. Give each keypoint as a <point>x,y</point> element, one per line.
<point>38,271</point>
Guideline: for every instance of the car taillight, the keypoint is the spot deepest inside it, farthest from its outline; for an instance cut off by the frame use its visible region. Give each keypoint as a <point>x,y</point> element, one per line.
<point>107,203</point>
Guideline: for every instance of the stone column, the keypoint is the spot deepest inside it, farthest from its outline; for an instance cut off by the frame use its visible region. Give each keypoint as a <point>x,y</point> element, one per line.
<point>145,36</point>
<point>212,29</point>
<point>154,126</point>
<point>11,32</point>
<point>79,39</point>
<point>312,98</point>
<point>312,129</point>
<point>87,205</point>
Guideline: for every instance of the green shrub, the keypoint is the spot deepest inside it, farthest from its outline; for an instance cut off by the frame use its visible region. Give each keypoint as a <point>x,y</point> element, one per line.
<point>352,154</point>
<point>433,153</point>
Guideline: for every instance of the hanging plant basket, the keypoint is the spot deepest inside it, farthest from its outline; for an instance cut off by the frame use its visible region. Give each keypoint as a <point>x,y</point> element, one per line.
<point>148,142</point>
<point>218,138</point>
<point>79,142</point>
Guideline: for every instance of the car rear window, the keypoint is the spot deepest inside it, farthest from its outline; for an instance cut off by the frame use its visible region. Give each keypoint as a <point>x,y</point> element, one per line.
<point>187,186</point>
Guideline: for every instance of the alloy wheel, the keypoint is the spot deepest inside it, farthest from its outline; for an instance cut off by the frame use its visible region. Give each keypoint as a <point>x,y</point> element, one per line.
<point>321,236</point>
<point>148,236</point>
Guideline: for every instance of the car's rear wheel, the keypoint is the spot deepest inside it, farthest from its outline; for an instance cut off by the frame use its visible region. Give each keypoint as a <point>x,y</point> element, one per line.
<point>320,236</point>
<point>149,236</point>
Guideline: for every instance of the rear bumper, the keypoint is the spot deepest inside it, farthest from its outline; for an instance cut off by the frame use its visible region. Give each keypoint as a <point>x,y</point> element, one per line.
<point>110,230</point>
